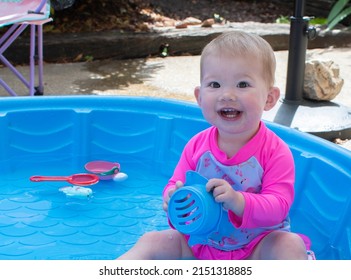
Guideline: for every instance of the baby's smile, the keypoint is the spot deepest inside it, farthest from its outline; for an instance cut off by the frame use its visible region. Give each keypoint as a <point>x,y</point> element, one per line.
<point>229,113</point>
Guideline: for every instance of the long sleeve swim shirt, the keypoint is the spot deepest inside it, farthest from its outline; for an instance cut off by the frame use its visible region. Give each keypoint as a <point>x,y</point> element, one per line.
<point>262,170</point>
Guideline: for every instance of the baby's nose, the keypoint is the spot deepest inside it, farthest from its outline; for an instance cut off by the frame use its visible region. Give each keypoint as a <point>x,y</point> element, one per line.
<point>228,94</point>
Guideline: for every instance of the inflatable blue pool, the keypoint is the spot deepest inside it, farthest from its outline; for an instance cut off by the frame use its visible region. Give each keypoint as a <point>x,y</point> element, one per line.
<point>59,135</point>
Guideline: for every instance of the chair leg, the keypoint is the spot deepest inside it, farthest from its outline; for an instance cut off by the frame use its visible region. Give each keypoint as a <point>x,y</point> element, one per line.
<point>40,87</point>
<point>32,60</point>
<point>36,45</point>
<point>7,88</point>
<point>6,40</point>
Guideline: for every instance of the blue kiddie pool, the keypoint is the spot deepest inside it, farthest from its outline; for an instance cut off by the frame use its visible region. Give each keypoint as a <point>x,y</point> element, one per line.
<point>57,136</point>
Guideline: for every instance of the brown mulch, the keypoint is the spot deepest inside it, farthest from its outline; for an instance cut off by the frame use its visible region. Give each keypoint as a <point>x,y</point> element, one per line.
<point>143,15</point>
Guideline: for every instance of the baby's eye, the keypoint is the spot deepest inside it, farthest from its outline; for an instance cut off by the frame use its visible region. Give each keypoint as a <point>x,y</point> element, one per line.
<point>243,85</point>
<point>214,85</point>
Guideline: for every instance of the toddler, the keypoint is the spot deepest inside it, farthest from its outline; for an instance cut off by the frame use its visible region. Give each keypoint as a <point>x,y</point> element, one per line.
<point>250,170</point>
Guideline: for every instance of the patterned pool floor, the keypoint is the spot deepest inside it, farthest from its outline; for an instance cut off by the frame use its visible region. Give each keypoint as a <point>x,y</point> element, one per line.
<point>37,221</point>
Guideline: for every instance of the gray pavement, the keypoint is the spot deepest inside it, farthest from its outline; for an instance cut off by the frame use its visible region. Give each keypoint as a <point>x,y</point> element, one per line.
<point>170,77</point>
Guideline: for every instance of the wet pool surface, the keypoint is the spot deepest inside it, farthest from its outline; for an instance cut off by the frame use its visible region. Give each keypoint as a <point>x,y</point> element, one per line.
<point>37,221</point>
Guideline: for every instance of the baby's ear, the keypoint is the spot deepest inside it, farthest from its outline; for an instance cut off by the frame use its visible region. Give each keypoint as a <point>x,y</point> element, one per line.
<point>272,98</point>
<point>197,95</point>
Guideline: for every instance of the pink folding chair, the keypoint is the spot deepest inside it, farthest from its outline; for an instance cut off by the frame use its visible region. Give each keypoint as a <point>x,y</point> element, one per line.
<point>19,14</point>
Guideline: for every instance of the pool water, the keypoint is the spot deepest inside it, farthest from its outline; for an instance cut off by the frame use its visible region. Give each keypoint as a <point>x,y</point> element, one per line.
<point>37,221</point>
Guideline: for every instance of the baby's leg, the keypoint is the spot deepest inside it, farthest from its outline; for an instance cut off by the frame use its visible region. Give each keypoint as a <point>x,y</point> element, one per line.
<point>280,245</point>
<point>166,244</point>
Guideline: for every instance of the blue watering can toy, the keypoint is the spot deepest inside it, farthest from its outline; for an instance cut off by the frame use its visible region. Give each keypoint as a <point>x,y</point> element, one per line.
<point>193,211</point>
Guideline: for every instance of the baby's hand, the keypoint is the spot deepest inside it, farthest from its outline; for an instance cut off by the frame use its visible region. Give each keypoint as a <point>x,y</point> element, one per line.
<point>223,193</point>
<point>171,191</point>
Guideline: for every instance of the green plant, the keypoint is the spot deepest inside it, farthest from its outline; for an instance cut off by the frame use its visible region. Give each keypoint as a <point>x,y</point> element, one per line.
<point>318,21</point>
<point>338,12</point>
<point>282,19</point>
<point>312,20</point>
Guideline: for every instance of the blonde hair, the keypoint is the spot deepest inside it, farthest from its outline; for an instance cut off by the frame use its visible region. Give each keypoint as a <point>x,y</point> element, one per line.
<point>238,43</point>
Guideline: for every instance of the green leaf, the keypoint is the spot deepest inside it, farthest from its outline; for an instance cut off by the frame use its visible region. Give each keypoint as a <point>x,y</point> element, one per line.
<point>282,19</point>
<point>339,18</point>
<point>320,21</point>
<point>337,8</point>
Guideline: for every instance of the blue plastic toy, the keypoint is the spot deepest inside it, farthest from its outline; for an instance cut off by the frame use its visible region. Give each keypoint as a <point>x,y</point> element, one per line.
<point>192,210</point>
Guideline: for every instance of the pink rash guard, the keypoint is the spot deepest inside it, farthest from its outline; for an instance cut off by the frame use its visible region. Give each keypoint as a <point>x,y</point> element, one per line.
<point>264,166</point>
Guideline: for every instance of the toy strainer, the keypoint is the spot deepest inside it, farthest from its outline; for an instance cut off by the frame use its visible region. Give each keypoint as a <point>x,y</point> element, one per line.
<point>192,210</point>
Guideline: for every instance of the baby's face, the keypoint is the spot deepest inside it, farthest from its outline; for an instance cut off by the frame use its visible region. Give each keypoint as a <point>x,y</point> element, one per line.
<point>233,93</point>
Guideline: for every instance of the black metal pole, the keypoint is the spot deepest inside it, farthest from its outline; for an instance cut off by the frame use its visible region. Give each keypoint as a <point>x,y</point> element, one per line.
<point>297,54</point>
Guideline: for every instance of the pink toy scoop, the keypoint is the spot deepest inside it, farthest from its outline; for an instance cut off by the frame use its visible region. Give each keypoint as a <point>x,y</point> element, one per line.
<point>82,179</point>
<point>104,169</point>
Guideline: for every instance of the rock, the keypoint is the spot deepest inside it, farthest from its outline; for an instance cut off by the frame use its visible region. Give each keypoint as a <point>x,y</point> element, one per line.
<point>187,22</point>
<point>169,23</point>
<point>192,21</point>
<point>345,143</point>
<point>322,80</point>
<point>181,25</point>
<point>208,22</point>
